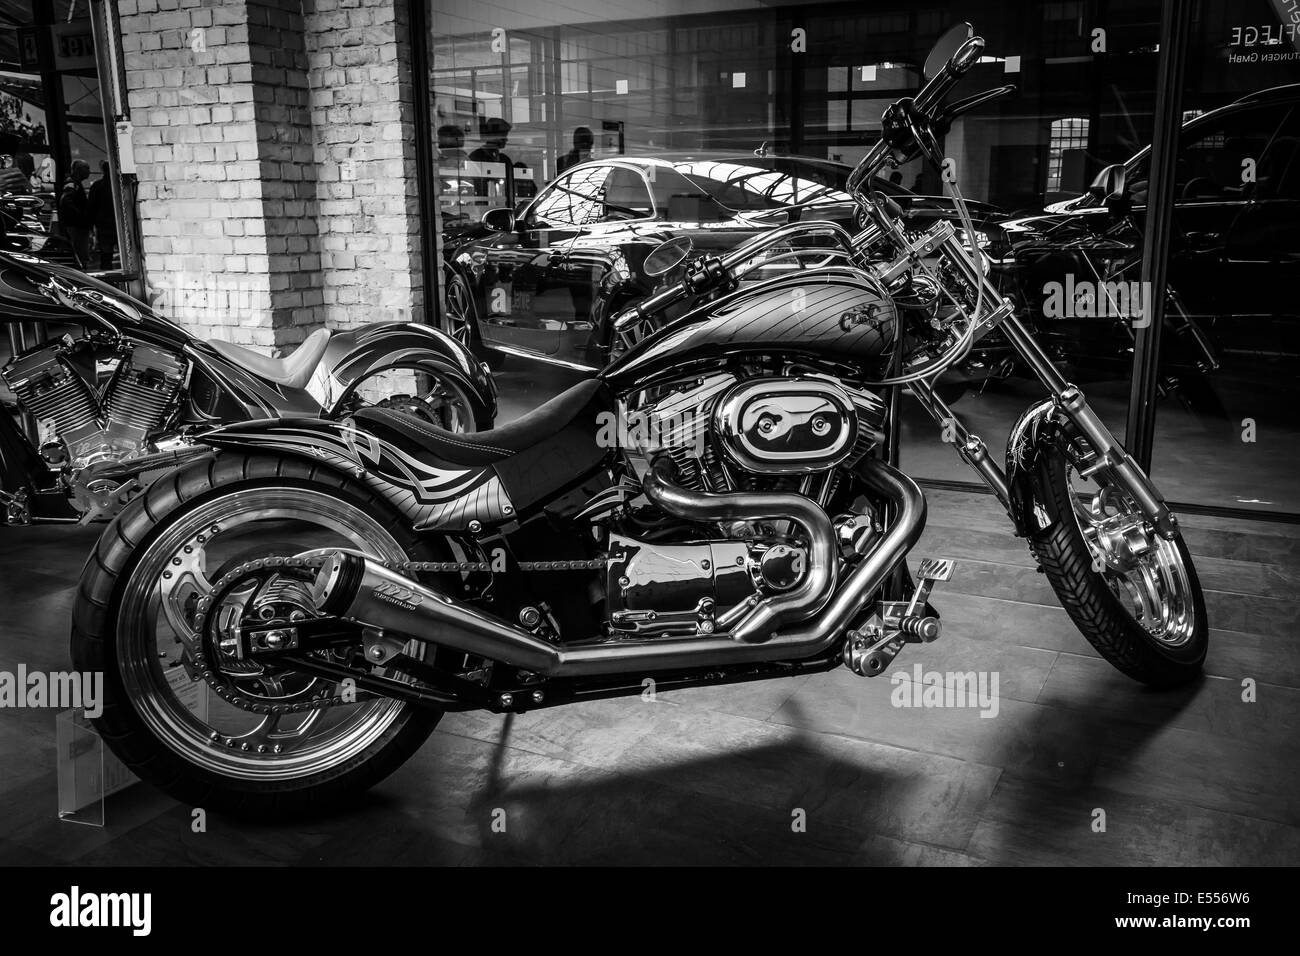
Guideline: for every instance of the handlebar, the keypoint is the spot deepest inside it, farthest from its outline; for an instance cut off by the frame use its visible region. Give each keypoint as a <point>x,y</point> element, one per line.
<point>941,85</point>
<point>925,103</point>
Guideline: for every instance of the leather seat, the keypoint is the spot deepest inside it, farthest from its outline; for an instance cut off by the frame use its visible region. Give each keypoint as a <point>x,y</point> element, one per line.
<point>292,371</point>
<point>576,408</point>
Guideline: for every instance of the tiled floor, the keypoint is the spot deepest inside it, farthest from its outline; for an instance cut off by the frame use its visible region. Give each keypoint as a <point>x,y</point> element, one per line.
<point>720,775</point>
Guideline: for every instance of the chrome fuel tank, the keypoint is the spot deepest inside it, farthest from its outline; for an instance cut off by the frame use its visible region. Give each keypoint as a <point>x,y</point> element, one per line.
<point>838,315</point>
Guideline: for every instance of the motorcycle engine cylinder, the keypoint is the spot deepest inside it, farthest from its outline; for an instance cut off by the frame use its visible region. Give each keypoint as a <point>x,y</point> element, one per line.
<point>139,394</point>
<point>48,386</point>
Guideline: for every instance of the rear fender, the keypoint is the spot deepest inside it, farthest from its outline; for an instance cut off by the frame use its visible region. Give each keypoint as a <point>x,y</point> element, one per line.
<point>357,354</point>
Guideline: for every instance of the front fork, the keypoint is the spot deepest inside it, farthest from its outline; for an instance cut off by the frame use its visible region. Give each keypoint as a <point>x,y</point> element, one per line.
<point>1067,400</point>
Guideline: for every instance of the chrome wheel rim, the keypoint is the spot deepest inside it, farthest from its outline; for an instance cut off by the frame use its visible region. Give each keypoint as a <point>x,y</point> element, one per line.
<point>459,313</point>
<point>1144,571</point>
<point>156,634</point>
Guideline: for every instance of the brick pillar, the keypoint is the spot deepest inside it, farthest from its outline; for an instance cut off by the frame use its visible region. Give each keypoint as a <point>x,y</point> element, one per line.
<point>362,109</point>
<point>274,145</point>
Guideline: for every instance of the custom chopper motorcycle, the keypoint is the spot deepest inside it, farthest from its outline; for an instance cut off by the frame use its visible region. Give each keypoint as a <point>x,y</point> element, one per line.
<point>717,505</point>
<point>115,393</point>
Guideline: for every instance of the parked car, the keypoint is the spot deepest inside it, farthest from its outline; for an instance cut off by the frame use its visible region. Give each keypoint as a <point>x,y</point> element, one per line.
<point>543,284</point>
<point>1235,253</point>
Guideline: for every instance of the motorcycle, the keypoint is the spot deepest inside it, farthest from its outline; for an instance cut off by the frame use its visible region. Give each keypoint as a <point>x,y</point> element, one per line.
<point>22,229</point>
<point>720,504</point>
<point>112,394</point>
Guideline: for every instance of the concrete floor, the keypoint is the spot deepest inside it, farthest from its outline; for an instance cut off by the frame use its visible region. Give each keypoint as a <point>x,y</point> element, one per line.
<point>715,775</point>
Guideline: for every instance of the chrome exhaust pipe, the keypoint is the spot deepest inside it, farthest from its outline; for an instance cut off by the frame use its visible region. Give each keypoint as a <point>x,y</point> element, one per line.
<point>360,589</point>
<point>797,604</point>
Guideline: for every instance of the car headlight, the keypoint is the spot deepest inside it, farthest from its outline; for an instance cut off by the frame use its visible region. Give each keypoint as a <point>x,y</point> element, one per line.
<point>982,239</point>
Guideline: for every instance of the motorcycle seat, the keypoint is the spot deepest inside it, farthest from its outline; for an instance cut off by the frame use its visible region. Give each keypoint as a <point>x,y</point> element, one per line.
<point>570,417</point>
<point>292,371</point>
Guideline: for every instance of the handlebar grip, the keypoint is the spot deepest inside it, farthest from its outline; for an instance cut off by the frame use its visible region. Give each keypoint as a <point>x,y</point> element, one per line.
<point>957,67</point>
<point>647,307</point>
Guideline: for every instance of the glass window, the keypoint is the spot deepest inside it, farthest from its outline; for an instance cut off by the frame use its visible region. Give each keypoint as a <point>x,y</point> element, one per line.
<point>624,196</point>
<point>1069,139</point>
<point>734,110</point>
<point>573,200</point>
<point>682,198</point>
<point>1213,164</point>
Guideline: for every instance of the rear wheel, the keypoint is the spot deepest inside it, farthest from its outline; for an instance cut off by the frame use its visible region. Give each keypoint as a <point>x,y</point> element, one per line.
<point>262,743</point>
<point>1133,594</point>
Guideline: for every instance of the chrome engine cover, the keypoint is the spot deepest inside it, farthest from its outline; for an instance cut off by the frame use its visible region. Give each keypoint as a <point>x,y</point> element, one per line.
<point>693,588</point>
<point>792,426</point>
<point>701,423</point>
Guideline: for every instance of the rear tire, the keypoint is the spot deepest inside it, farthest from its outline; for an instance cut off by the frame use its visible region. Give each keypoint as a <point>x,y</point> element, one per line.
<point>1070,565</point>
<point>140,534</point>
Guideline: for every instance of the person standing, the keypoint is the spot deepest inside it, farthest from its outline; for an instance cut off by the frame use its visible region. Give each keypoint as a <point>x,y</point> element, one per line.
<point>103,215</point>
<point>583,141</point>
<point>496,133</point>
<point>25,162</point>
<point>74,212</point>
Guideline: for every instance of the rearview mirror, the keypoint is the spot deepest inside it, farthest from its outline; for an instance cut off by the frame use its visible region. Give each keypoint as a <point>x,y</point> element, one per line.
<point>499,220</point>
<point>1111,181</point>
<point>668,255</point>
<point>945,48</point>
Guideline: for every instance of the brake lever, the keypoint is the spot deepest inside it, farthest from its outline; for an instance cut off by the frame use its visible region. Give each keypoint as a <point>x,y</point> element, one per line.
<point>968,103</point>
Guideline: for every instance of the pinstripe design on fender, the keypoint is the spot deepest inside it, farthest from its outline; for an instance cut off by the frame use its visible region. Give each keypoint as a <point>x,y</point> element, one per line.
<point>431,497</point>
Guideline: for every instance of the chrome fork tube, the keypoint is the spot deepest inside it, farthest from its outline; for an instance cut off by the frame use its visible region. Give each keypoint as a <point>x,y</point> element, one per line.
<point>1070,400</point>
<point>970,447</point>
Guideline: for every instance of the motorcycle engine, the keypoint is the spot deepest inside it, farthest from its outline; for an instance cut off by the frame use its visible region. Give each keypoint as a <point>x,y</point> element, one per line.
<point>89,430</point>
<point>723,433</point>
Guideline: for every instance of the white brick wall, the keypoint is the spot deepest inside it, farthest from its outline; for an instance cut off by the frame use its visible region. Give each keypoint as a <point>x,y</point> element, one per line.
<point>274,144</point>
<point>362,115</point>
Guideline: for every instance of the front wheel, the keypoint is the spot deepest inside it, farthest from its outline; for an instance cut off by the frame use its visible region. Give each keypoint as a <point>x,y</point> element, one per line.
<point>1134,595</point>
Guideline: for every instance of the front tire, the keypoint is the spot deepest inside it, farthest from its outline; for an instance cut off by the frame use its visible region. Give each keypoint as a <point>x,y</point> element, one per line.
<point>1150,623</point>
<point>128,618</point>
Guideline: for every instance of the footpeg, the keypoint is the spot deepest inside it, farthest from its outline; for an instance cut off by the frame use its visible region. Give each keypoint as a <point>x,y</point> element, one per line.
<point>870,650</point>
